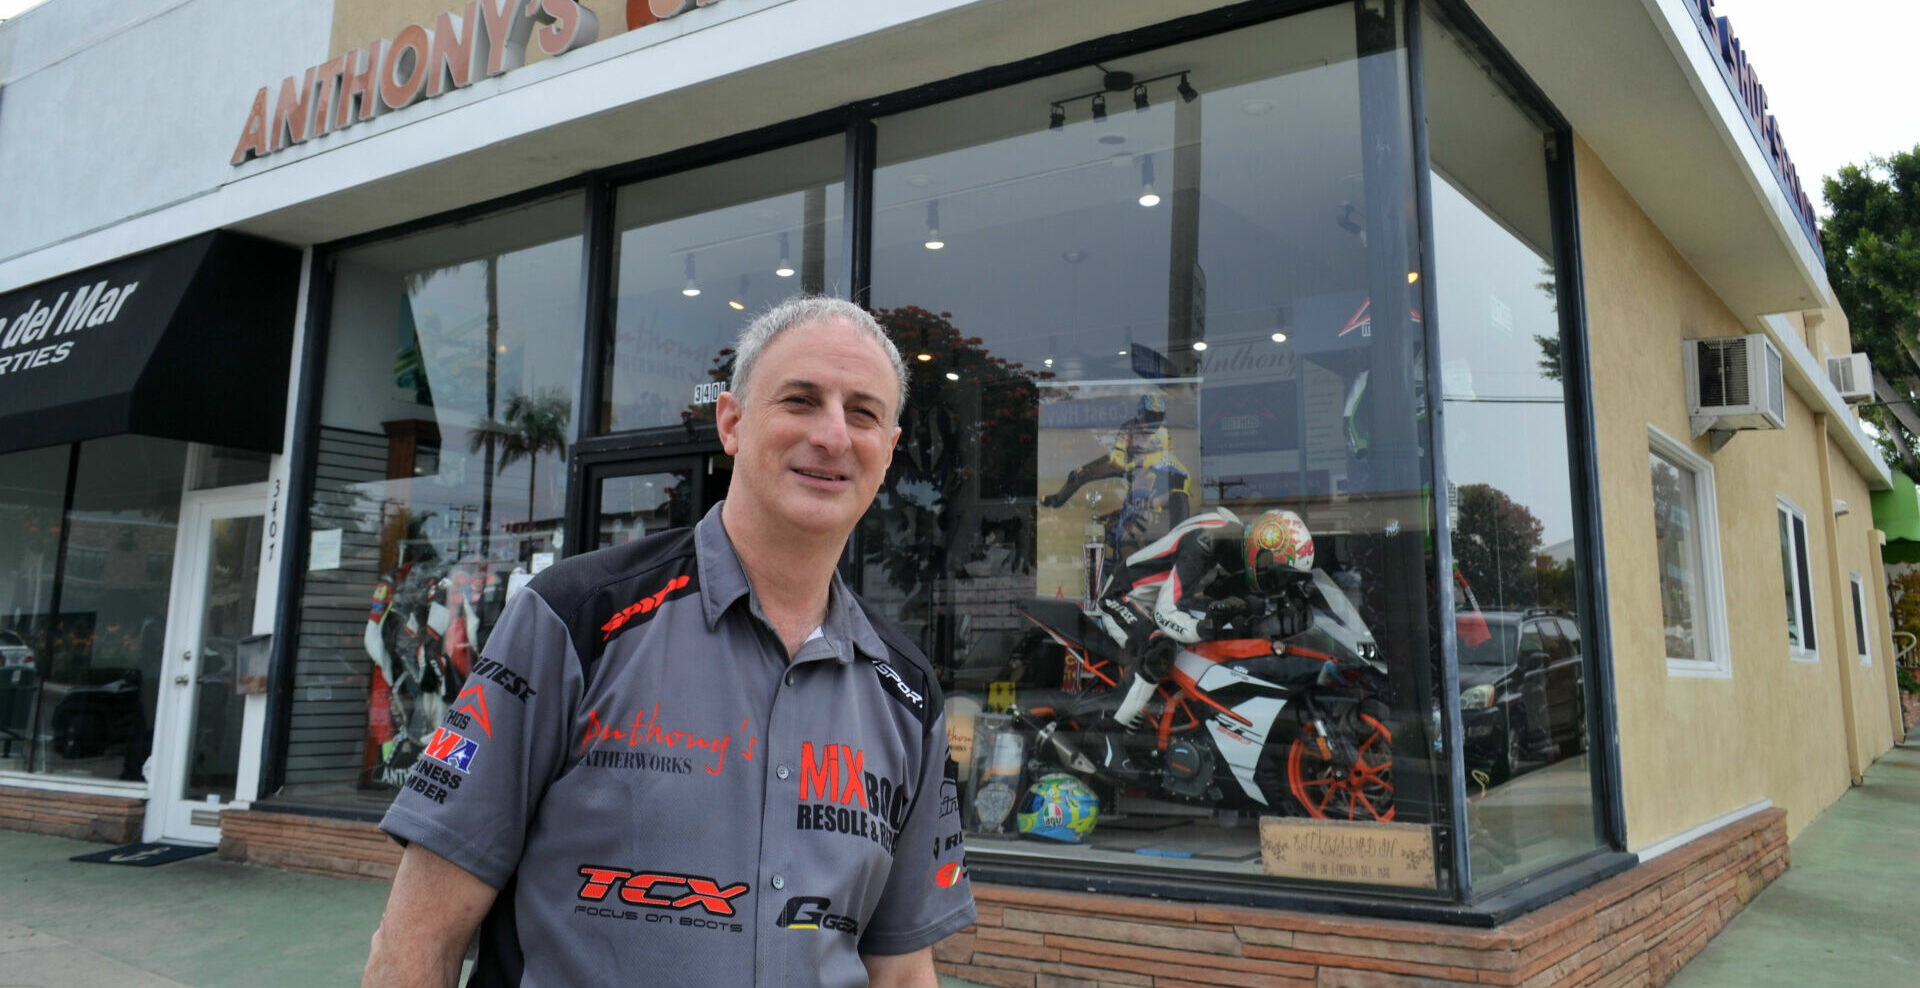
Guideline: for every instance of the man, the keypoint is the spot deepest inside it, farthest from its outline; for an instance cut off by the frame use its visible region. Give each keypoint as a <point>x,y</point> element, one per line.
<point>694,758</point>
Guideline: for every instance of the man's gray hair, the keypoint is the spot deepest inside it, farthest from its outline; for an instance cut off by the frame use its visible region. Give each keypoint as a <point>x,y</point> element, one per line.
<point>802,310</point>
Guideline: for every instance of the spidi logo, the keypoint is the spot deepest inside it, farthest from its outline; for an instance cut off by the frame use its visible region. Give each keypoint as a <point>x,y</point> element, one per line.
<point>86,307</point>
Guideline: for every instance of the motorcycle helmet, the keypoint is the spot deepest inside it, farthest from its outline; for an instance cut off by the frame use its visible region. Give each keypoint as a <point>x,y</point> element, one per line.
<point>1276,548</point>
<point>1058,807</point>
<point>1153,408</point>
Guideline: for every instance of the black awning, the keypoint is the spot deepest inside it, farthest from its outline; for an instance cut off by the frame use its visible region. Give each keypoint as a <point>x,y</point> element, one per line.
<point>189,341</point>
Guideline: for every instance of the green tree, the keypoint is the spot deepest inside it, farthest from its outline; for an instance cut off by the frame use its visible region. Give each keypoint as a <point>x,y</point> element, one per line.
<point>1496,544</point>
<point>1872,241</point>
<point>532,424</point>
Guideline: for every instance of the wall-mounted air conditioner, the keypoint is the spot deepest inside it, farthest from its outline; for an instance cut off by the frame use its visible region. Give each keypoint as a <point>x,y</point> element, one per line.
<point>1852,376</point>
<point>1734,382</point>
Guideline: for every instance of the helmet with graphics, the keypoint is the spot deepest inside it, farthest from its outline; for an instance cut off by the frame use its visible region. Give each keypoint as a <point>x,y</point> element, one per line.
<point>1058,807</point>
<point>1153,408</point>
<point>1277,550</point>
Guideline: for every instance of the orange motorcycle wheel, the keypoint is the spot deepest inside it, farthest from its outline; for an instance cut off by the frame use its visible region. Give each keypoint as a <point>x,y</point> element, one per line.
<point>1362,791</point>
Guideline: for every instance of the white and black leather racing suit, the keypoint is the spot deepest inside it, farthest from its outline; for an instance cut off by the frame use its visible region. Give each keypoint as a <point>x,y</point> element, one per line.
<point>1177,590</point>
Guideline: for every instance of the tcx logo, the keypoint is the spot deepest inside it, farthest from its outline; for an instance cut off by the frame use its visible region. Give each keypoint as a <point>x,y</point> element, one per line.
<point>809,912</point>
<point>660,890</point>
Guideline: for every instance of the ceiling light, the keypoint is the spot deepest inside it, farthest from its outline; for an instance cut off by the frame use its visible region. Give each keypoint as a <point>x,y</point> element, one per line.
<point>933,226</point>
<point>1048,361</point>
<point>1056,117</point>
<point>1148,197</point>
<point>1140,98</point>
<point>693,287</point>
<point>951,376</point>
<point>1099,106</point>
<point>785,270</point>
<point>1186,90</point>
<point>1413,276</point>
<point>738,302</point>
<point>923,357</point>
<point>1279,337</point>
<point>736,305</point>
<point>502,348</point>
<point>1199,346</point>
<point>1122,353</point>
<point>1256,107</point>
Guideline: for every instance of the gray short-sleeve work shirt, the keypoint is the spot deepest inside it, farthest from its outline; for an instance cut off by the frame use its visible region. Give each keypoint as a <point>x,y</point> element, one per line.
<point>662,797</point>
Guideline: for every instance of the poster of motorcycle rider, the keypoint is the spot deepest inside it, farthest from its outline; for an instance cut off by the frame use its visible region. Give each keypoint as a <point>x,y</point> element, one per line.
<point>1112,475</point>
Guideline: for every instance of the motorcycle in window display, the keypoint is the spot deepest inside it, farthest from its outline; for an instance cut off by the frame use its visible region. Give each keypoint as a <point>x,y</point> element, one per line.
<point>1223,670</point>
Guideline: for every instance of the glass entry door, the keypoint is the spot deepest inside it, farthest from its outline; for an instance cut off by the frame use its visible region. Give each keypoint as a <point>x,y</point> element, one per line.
<point>197,755</point>
<point>631,499</point>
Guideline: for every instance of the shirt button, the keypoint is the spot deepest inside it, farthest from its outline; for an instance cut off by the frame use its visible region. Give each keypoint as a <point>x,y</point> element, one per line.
<point>779,883</point>
<point>780,771</point>
<point>789,679</point>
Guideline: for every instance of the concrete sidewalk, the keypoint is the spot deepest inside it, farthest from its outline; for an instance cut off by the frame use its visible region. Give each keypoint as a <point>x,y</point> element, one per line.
<point>1839,916</point>
<point>1843,912</point>
<point>201,921</point>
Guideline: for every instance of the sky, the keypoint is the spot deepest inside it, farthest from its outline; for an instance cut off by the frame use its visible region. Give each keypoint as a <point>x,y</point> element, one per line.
<point>1830,68</point>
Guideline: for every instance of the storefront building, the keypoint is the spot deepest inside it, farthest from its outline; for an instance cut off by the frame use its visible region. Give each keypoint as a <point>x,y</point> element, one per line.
<point>440,293</point>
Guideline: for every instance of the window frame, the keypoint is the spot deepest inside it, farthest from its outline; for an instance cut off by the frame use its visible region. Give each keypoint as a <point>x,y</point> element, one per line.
<point>1795,532</point>
<point>1719,661</point>
<point>1862,622</point>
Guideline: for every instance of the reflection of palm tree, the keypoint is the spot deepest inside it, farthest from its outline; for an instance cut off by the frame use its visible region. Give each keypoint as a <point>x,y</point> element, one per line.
<point>532,424</point>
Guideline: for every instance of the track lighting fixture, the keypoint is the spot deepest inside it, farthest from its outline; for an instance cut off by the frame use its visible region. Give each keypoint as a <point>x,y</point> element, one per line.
<point>693,287</point>
<point>933,226</point>
<point>1148,196</point>
<point>785,270</point>
<point>738,302</point>
<point>1117,82</point>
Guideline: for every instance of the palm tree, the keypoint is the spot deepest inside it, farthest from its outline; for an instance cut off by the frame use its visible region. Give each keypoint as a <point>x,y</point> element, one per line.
<point>531,424</point>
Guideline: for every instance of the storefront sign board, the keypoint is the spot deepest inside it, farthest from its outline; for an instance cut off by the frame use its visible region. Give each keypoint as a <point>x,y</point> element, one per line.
<point>1397,854</point>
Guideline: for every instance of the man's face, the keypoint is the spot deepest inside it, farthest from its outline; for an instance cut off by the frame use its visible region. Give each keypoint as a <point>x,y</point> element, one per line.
<point>812,438</point>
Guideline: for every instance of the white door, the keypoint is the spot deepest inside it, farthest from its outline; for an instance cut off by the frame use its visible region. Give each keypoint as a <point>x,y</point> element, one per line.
<point>196,753</point>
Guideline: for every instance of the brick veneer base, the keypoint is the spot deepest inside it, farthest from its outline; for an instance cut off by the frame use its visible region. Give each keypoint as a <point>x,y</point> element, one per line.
<point>1636,928</point>
<point>75,816</point>
<point>313,844</point>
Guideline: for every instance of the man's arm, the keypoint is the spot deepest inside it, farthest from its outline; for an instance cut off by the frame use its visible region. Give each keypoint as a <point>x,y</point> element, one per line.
<point>913,970</point>
<point>432,911</point>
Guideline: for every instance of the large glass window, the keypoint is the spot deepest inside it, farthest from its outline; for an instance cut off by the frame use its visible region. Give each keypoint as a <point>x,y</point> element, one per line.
<point>1169,312</point>
<point>1510,504</point>
<point>33,486</point>
<point>698,254</point>
<point>453,362</point>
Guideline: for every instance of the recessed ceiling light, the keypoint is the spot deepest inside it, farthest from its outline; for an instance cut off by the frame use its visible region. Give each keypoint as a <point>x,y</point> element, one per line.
<point>1256,107</point>
<point>1199,346</point>
<point>951,376</point>
<point>924,357</point>
<point>1112,139</point>
<point>1279,337</point>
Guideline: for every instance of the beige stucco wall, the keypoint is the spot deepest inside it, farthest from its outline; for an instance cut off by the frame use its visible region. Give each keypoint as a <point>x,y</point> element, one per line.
<point>1693,749</point>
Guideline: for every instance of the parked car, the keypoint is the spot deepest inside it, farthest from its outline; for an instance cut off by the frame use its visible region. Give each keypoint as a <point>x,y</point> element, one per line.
<point>1522,691</point>
<point>14,650</point>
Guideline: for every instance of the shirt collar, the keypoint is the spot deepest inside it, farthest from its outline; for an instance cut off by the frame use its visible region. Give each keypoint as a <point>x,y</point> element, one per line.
<point>723,581</point>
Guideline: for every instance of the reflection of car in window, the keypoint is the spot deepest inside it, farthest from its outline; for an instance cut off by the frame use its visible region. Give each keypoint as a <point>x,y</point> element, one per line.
<point>14,650</point>
<point>1522,693</point>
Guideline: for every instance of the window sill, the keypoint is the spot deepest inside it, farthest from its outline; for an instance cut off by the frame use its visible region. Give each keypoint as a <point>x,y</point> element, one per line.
<point>1802,655</point>
<point>1697,669</point>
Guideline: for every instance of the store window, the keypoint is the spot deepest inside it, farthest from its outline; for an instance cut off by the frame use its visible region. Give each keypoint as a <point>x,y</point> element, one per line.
<point>1510,503</point>
<point>450,401</point>
<point>1127,334</point>
<point>699,254</point>
<point>83,611</point>
<point>1693,607</point>
<point>1797,577</point>
<point>1862,648</point>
